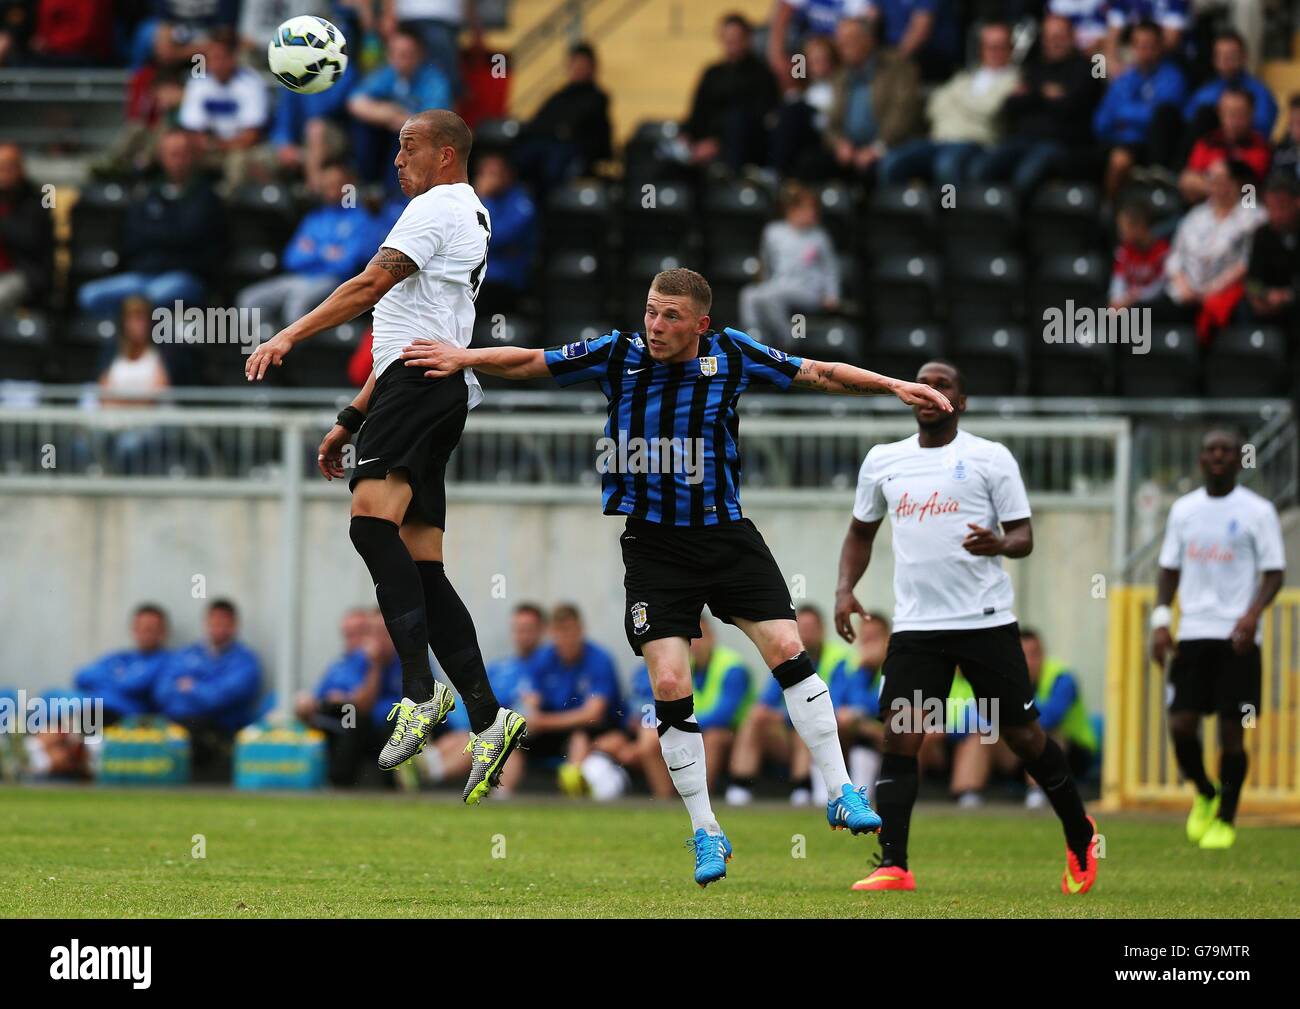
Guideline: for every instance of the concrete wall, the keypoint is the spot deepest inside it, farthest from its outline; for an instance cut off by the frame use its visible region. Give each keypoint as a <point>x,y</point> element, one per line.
<point>72,568</point>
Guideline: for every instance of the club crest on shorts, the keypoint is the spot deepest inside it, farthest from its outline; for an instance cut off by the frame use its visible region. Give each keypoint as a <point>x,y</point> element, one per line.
<point>576,349</point>
<point>640,618</point>
<point>708,366</point>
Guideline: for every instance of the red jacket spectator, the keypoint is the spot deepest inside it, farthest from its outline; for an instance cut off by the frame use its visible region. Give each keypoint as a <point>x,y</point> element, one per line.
<point>1211,149</point>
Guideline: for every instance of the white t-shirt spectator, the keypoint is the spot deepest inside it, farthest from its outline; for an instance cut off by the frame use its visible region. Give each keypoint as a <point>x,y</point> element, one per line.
<point>225,109</point>
<point>1205,244</point>
<point>451,11</point>
<point>445,233</point>
<point>930,494</point>
<point>1221,546</point>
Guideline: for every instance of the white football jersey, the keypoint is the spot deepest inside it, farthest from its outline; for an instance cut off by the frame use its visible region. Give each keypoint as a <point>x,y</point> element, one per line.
<point>930,494</point>
<point>1220,545</point>
<point>445,233</point>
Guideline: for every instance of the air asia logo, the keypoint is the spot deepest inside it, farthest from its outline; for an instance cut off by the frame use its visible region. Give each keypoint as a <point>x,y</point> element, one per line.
<point>931,506</point>
<point>75,962</point>
<point>708,366</point>
<point>1211,554</point>
<point>640,618</point>
<point>572,350</point>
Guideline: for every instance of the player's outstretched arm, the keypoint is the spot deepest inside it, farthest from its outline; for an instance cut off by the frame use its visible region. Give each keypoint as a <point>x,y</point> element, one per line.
<point>352,297</point>
<point>855,555</point>
<point>844,379</point>
<point>440,359</point>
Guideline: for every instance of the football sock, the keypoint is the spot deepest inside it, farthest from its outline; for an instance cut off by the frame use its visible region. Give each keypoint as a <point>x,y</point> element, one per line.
<point>400,597</point>
<point>682,745</point>
<point>1191,761</point>
<point>808,700</point>
<point>1052,773</point>
<point>1232,774</point>
<point>895,796</point>
<point>455,644</point>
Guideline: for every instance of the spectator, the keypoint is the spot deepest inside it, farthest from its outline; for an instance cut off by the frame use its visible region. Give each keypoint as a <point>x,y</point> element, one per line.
<point>1126,121</point>
<point>796,23</point>
<point>1233,139</point>
<point>71,33</point>
<point>1230,74</point>
<point>1273,271</point>
<point>389,96</point>
<point>514,235</point>
<point>1168,17</point>
<point>124,681</point>
<point>798,147</point>
<point>178,29</point>
<point>1063,716</point>
<point>1138,277</point>
<point>153,105</point>
<point>1087,20</point>
<point>571,699</point>
<point>354,697</point>
<point>800,269</point>
<point>963,117</point>
<point>437,24</point>
<point>570,133</point>
<point>1047,117</point>
<point>171,237</point>
<point>26,236</point>
<point>767,730</point>
<point>732,101</point>
<point>227,106</point>
<point>307,131</point>
<point>210,688</point>
<point>1286,159</point>
<point>333,242</point>
<point>136,372</point>
<point>511,676</point>
<point>1247,19</point>
<point>1207,265</point>
<point>925,31</point>
<point>877,103</point>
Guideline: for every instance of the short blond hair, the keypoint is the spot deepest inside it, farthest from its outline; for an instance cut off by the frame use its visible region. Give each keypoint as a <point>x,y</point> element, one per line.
<point>681,281</point>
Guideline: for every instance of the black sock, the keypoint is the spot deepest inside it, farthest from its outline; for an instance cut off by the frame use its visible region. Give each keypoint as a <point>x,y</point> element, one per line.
<point>1052,773</point>
<point>804,782</point>
<point>1232,775</point>
<point>455,644</point>
<point>895,796</point>
<point>401,599</point>
<point>745,783</point>
<point>1191,761</point>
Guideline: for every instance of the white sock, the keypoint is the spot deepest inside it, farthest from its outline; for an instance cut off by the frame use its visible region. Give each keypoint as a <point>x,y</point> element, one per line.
<point>819,795</point>
<point>433,763</point>
<point>864,763</point>
<point>813,715</point>
<point>684,754</point>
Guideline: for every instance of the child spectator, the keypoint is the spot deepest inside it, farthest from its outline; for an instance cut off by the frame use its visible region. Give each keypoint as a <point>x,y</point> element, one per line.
<point>136,370</point>
<point>800,269</point>
<point>1139,273</point>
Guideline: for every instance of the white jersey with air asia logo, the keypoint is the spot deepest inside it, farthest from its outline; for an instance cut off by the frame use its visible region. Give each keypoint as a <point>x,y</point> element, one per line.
<point>1220,545</point>
<point>930,494</point>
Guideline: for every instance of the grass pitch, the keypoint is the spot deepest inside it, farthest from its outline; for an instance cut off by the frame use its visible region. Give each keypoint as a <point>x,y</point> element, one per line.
<point>106,854</point>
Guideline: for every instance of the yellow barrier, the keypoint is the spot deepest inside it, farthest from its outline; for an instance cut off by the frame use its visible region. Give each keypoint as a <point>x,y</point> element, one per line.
<point>1138,766</point>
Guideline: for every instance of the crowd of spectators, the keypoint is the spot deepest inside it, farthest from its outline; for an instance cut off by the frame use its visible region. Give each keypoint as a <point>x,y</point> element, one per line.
<point>591,731</point>
<point>1130,95</point>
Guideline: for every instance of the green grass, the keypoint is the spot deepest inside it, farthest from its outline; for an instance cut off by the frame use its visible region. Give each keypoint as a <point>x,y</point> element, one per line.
<point>98,853</point>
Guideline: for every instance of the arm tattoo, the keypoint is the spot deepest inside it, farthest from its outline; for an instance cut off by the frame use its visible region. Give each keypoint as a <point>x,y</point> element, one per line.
<point>397,263</point>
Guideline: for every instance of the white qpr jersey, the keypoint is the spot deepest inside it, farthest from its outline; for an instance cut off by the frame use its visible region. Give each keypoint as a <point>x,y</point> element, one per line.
<point>930,494</point>
<point>1220,546</point>
<point>445,233</point>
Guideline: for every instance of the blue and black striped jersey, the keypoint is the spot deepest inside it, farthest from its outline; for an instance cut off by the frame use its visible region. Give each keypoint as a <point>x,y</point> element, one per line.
<point>671,449</point>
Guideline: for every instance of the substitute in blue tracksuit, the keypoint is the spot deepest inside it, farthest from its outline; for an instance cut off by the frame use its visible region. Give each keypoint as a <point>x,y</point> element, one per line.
<point>211,689</point>
<point>124,680</point>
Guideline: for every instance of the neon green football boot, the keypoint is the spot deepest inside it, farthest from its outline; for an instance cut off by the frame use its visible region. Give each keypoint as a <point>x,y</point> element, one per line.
<point>1202,815</point>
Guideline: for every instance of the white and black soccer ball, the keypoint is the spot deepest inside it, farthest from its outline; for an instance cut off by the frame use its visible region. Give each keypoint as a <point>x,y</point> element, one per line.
<point>307,54</point>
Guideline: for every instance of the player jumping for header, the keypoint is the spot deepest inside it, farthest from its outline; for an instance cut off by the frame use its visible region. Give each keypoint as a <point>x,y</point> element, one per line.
<point>423,280</point>
<point>672,401</point>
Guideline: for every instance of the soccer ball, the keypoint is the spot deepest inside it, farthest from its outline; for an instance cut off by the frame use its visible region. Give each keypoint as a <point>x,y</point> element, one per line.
<point>307,54</point>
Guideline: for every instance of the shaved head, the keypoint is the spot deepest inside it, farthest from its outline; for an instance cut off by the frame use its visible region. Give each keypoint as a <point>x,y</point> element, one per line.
<point>445,129</point>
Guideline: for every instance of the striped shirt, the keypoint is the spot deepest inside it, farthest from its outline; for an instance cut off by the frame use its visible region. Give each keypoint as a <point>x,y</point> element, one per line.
<point>671,450</point>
